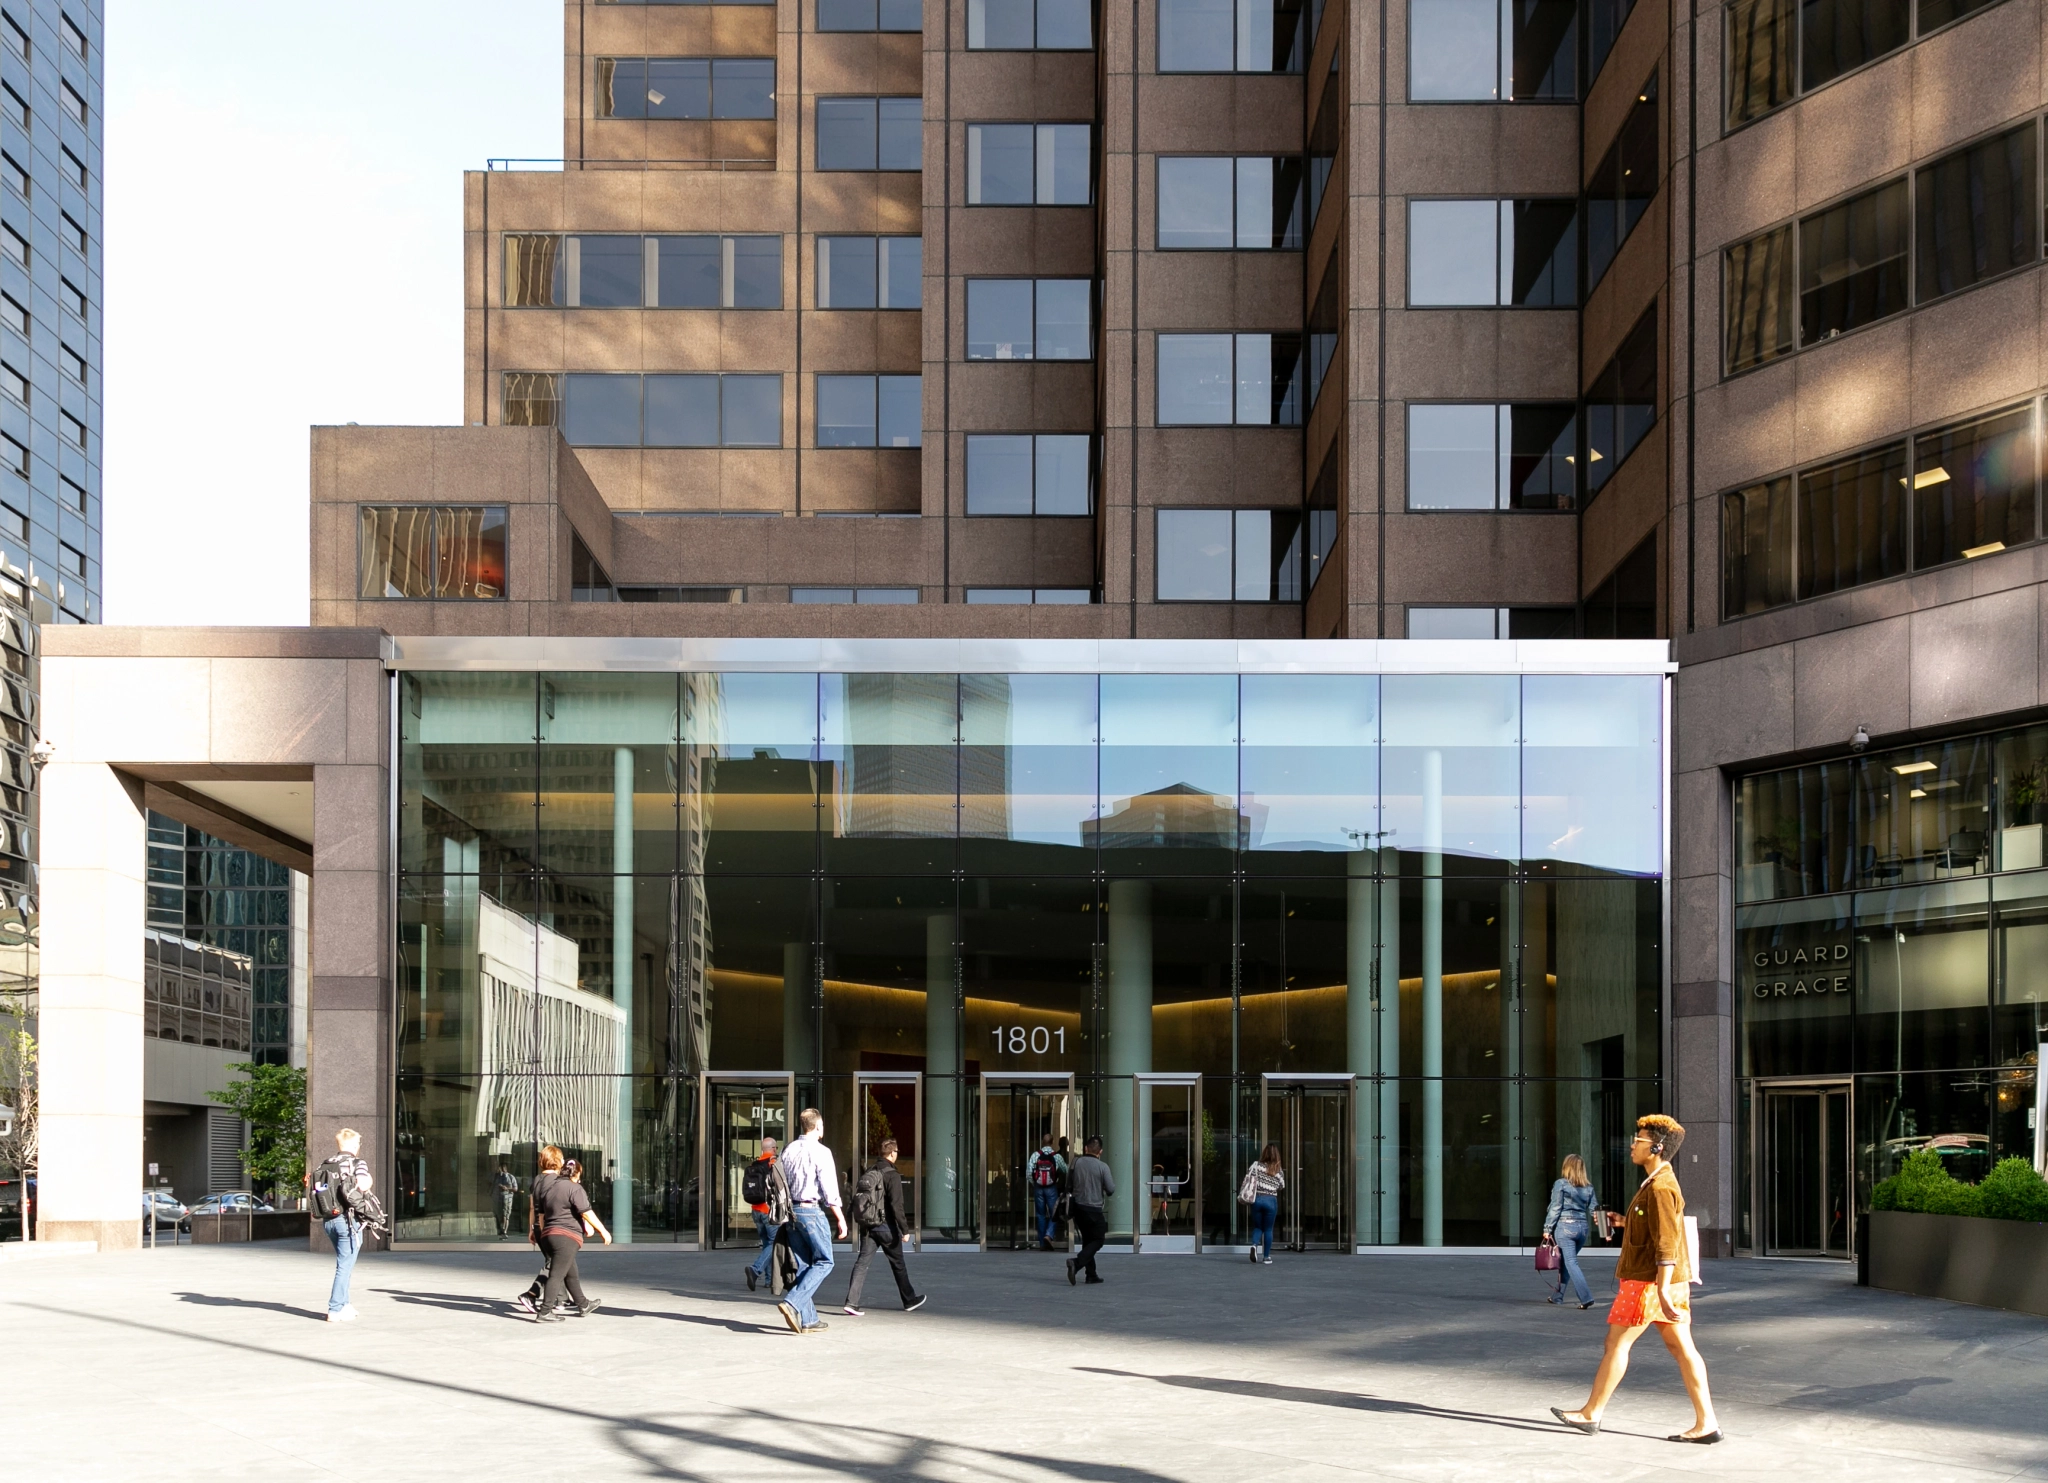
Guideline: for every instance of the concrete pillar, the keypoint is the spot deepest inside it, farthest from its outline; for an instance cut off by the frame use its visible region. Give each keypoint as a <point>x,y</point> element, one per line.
<point>93,851</point>
<point>1361,1037</point>
<point>622,986</point>
<point>1130,1033</point>
<point>1514,1146</point>
<point>1387,1045</point>
<point>1433,998</point>
<point>940,1151</point>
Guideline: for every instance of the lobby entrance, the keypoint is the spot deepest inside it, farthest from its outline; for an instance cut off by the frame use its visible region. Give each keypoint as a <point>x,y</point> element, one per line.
<point>1020,1114</point>
<point>1166,1145</point>
<point>890,1104</point>
<point>1803,1169</point>
<point>740,1109</point>
<point>1309,1117</point>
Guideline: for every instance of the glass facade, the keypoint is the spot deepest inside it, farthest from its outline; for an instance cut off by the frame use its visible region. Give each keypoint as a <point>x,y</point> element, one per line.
<point>1888,910</point>
<point>221,915</point>
<point>1417,920</point>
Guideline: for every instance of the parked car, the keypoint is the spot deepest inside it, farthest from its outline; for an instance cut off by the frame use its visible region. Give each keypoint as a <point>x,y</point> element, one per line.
<point>232,1202</point>
<point>170,1212</point>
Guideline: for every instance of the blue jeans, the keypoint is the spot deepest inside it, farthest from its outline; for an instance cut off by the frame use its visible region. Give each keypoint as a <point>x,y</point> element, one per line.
<point>767,1228</point>
<point>1571,1235</point>
<point>1265,1215</point>
<point>347,1237</point>
<point>811,1242</point>
<point>1042,1203</point>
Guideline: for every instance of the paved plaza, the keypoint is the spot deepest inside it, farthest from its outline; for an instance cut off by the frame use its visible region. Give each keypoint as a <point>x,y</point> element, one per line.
<point>213,1363</point>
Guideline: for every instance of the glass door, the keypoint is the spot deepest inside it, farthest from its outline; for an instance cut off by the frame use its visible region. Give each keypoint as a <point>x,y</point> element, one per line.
<point>740,1112</point>
<point>890,1104</point>
<point>1020,1117</point>
<point>1166,1162</point>
<point>1805,1171</point>
<point>1309,1118</point>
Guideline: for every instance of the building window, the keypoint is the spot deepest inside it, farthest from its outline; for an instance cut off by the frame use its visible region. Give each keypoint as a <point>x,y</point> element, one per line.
<point>71,294</point>
<point>13,315</point>
<point>1757,278</point>
<point>1030,474</point>
<point>1324,497</point>
<point>870,15</point>
<point>1029,164</point>
<point>1063,596</point>
<point>1625,605</point>
<point>1837,36</point>
<point>1229,555</point>
<point>71,36</point>
<point>532,399</point>
<point>1975,216</point>
<point>15,105</point>
<point>1476,51</point>
<point>870,411</point>
<point>74,168</point>
<point>1778,49</point>
<point>1325,326</point>
<point>73,105</point>
<point>1483,456</point>
<point>1851,517</point>
<point>1252,380</point>
<point>1491,623</point>
<point>13,523</point>
<point>14,245</point>
<point>1853,263</point>
<point>1032,25</point>
<point>71,561</point>
<point>72,362</point>
<point>1231,36</point>
<point>73,491</point>
<point>734,410</point>
<point>1225,204</point>
<point>431,551</point>
<point>73,234</point>
<point>1485,253</point>
<point>630,272</point>
<point>73,430</point>
<point>870,272</point>
<point>1756,548</point>
<point>866,596</point>
<point>14,454</point>
<point>17,178</point>
<point>1621,404</point>
<point>13,383</point>
<point>1030,319</point>
<point>685,87</point>
<point>1622,186</point>
<point>13,35</point>
<point>870,134</point>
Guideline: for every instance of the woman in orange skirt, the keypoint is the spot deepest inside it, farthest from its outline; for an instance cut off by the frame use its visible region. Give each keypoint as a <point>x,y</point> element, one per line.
<point>1655,1274</point>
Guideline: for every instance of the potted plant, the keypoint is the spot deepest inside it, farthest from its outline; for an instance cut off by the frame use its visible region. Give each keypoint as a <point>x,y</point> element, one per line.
<point>1984,1243</point>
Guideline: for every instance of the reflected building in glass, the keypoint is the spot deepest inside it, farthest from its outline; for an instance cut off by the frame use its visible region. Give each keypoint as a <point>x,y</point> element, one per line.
<point>1409,926</point>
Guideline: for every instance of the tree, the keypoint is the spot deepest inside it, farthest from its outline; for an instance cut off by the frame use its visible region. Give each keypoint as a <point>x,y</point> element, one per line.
<point>273,1102</point>
<point>18,1150</point>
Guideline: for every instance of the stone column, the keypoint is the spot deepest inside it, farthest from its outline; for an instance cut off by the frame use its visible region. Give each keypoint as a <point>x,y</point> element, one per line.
<point>1387,1044</point>
<point>1361,1038</point>
<point>940,1151</point>
<point>1433,998</point>
<point>622,986</point>
<point>1130,1034</point>
<point>1513,1145</point>
<point>93,853</point>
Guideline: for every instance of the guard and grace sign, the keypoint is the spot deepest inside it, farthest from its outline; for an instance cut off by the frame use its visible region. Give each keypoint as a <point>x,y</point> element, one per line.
<point>1800,970</point>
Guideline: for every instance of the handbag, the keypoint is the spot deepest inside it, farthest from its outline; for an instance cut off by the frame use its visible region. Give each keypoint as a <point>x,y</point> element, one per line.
<point>1248,1191</point>
<point>1548,1257</point>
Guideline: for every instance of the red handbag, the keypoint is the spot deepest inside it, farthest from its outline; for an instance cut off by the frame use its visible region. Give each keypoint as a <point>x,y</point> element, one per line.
<point>1548,1257</point>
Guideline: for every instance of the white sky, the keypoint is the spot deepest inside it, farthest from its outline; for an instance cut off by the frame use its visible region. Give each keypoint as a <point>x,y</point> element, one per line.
<point>283,248</point>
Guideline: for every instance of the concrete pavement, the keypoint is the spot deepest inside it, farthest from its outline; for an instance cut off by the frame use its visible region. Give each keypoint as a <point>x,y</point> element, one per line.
<point>214,1363</point>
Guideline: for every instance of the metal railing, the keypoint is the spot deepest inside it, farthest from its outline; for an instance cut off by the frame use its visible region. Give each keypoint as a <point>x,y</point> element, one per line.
<point>500,164</point>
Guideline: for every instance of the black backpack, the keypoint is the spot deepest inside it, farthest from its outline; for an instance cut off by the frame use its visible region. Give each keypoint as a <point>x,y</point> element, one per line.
<point>870,1206</point>
<point>330,1178</point>
<point>756,1185</point>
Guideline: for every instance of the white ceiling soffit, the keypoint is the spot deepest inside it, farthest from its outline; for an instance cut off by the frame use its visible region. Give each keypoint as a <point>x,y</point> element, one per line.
<point>286,807</point>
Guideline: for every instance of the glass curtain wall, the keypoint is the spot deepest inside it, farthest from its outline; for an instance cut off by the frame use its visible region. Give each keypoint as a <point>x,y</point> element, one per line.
<point>1409,924</point>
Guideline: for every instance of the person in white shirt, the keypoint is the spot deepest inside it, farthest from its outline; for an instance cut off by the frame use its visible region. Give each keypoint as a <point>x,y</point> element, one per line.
<point>813,1179</point>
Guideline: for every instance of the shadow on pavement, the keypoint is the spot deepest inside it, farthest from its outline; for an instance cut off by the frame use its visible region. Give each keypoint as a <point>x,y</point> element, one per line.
<point>209,1300</point>
<point>1342,1399</point>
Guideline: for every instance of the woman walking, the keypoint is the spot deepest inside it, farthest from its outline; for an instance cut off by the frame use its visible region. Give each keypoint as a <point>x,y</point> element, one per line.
<point>563,1215</point>
<point>1261,1188</point>
<point>1569,1223</point>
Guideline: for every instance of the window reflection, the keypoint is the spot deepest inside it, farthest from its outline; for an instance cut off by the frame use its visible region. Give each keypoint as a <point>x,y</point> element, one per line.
<point>1027,773</point>
<point>1593,772</point>
<point>1169,774</point>
<point>1451,771</point>
<point>1310,768</point>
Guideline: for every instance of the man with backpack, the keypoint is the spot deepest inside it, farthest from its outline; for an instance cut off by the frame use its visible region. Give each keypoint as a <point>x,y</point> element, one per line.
<point>339,1191</point>
<point>1046,1175</point>
<point>878,1211</point>
<point>763,1189</point>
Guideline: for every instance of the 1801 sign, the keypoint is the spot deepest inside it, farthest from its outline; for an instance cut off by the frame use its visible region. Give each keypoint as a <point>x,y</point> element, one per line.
<point>1801,972</point>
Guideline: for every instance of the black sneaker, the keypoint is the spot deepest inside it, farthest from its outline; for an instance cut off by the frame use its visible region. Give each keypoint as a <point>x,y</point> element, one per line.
<point>1070,1271</point>
<point>753,1277</point>
<point>914,1304</point>
<point>1094,1281</point>
<point>590,1307</point>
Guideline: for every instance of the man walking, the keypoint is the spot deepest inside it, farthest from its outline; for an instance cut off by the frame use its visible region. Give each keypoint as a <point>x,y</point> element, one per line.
<point>768,1197</point>
<point>1654,1271</point>
<point>504,1191</point>
<point>1091,1183</point>
<point>1045,1173</point>
<point>340,1187</point>
<point>878,1211</point>
<point>807,1168</point>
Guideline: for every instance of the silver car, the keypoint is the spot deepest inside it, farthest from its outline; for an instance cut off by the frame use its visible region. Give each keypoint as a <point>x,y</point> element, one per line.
<point>170,1213</point>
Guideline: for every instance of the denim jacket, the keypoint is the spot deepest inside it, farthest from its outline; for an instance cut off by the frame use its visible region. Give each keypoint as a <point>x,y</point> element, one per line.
<point>1568,1201</point>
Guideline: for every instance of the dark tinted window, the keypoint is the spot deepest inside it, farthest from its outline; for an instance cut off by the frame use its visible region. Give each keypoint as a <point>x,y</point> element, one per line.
<point>608,270</point>
<point>1757,299</point>
<point>742,87</point>
<point>756,272</point>
<point>1976,216</point>
<point>681,411</point>
<point>601,411</point>
<point>1756,548</point>
<point>1973,487</point>
<point>690,272</point>
<point>1622,186</point>
<point>1852,521</point>
<point>1761,69</point>
<point>1540,248</point>
<point>1621,404</point>
<point>1852,263</point>
<point>1836,35</point>
<point>846,133</point>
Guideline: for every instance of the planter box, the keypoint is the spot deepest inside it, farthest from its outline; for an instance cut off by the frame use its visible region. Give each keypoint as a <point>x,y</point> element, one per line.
<point>1964,1258</point>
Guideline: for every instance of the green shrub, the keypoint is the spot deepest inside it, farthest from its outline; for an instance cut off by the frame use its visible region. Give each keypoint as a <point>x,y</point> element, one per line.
<point>2014,1191</point>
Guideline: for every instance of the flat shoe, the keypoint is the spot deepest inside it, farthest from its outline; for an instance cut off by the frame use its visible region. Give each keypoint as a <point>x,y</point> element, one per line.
<point>1590,1428</point>
<point>1705,1439</point>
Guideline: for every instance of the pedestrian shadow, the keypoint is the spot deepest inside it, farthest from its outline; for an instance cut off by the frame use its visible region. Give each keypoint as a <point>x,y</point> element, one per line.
<point>452,1301</point>
<point>1861,1397</point>
<point>1343,1400</point>
<point>730,1326</point>
<point>208,1300</point>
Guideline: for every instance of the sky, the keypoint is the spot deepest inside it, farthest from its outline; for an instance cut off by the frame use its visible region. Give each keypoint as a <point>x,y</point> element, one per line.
<point>283,227</point>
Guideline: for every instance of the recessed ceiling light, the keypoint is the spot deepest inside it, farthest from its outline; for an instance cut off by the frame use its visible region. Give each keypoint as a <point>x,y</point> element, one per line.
<point>1907,769</point>
<point>1935,475</point>
<point>1916,793</point>
<point>1989,548</point>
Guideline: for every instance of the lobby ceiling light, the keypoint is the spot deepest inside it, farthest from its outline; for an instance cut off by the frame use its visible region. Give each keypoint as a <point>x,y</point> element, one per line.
<point>1935,475</point>
<point>1916,793</point>
<point>1989,548</point>
<point>1907,769</point>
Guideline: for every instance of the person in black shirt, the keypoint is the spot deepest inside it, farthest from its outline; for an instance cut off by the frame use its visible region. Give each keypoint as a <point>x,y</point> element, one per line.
<point>561,1216</point>
<point>878,1210</point>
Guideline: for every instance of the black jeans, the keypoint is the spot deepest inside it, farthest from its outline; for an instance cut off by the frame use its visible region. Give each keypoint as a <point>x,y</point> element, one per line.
<point>1094,1231</point>
<point>561,1252</point>
<point>888,1241</point>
